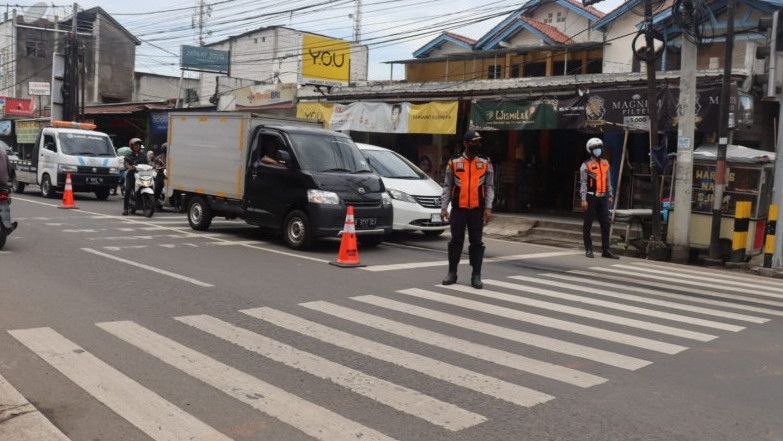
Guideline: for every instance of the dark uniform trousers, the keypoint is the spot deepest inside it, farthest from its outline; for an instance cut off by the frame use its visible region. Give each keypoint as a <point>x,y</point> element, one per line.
<point>473,219</point>
<point>597,206</point>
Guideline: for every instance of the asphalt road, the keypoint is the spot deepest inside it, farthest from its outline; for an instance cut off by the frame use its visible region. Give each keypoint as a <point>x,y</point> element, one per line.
<point>118,328</point>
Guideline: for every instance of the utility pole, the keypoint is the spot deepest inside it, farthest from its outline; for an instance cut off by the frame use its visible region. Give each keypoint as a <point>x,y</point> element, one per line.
<point>71,77</point>
<point>723,135</point>
<point>357,22</point>
<point>203,11</point>
<point>686,127</point>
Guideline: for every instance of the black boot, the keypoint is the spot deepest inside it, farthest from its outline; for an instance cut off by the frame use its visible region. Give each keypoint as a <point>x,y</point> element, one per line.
<point>455,253</point>
<point>609,254</point>
<point>476,259</point>
<point>589,253</point>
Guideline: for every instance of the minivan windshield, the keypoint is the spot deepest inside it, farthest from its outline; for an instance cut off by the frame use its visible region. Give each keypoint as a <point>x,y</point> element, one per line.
<point>391,165</point>
<point>85,144</point>
<point>326,153</point>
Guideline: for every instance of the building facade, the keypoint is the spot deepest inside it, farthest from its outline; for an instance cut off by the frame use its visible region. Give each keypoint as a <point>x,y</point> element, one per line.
<point>156,87</point>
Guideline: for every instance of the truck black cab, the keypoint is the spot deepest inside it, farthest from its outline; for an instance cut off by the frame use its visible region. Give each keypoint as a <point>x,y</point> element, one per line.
<point>288,175</point>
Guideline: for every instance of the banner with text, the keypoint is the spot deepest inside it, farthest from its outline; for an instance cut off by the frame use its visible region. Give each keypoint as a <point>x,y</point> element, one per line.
<point>436,117</point>
<point>325,61</point>
<point>259,97</point>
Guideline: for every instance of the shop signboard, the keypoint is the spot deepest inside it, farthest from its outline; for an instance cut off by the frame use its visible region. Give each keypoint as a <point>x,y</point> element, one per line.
<point>159,123</point>
<point>204,59</point>
<point>38,88</point>
<point>27,131</point>
<point>742,185</point>
<point>514,115</point>
<point>5,127</point>
<point>19,107</point>
<point>259,97</point>
<point>436,117</point>
<point>325,61</point>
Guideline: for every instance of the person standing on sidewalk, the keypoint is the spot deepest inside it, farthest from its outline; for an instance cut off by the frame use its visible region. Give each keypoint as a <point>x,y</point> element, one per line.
<point>469,187</point>
<point>597,195</point>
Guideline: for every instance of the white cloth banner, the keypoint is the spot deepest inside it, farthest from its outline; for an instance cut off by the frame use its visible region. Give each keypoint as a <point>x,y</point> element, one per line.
<point>371,117</point>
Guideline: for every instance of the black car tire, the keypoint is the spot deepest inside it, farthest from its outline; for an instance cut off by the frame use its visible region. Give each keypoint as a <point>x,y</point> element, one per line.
<point>2,237</point>
<point>297,230</point>
<point>47,191</point>
<point>17,187</point>
<point>199,214</point>
<point>102,193</point>
<point>371,241</point>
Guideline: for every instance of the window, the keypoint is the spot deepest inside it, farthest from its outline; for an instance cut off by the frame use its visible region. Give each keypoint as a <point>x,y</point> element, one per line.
<point>81,144</point>
<point>191,96</point>
<point>535,70</point>
<point>595,66</point>
<point>49,143</point>
<point>391,165</point>
<point>324,153</point>
<point>35,49</point>
<point>515,68</point>
<point>549,18</point>
<point>560,17</point>
<point>493,72</point>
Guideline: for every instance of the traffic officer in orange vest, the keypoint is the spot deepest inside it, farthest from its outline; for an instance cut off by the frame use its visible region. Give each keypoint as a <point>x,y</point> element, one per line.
<point>597,195</point>
<point>469,187</point>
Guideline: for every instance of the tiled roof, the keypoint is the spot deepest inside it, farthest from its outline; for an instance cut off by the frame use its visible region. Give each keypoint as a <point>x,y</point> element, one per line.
<point>461,38</point>
<point>548,30</point>
<point>589,9</point>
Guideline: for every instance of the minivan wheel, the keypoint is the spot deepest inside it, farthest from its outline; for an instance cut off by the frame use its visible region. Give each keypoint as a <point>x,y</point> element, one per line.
<point>102,193</point>
<point>47,191</point>
<point>199,214</point>
<point>297,231</point>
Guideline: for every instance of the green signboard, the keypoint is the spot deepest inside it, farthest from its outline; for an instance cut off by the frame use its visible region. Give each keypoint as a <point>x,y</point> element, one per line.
<point>514,115</point>
<point>204,59</point>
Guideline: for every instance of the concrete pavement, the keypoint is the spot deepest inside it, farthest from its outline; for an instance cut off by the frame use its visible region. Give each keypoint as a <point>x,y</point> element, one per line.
<point>127,328</point>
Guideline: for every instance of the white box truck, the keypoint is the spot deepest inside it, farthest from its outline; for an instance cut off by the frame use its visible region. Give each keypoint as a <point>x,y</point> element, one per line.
<point>284,173</point>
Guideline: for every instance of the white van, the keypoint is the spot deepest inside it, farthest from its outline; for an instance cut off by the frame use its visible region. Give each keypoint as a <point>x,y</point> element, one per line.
<point>415,196</point>
<point>68,147</point>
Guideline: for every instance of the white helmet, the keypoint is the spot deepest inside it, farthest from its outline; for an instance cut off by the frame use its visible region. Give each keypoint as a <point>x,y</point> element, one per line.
<point>593,143</point>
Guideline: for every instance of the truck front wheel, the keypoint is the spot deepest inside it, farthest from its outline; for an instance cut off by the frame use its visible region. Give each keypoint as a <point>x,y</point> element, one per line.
<point>199,214</point>
<point>297,231</point>
<point>102,193</point>
<point>47,191</point>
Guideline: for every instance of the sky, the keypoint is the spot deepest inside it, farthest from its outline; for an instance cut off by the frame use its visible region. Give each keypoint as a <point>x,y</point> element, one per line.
<point>393,29</point>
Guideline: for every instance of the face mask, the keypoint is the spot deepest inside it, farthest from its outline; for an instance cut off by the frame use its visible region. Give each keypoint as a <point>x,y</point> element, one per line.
<point>598,152</point>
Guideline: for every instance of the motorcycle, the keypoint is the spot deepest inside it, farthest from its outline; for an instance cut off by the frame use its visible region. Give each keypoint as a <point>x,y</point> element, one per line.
<point>6,225</point>
<point>143,192</point>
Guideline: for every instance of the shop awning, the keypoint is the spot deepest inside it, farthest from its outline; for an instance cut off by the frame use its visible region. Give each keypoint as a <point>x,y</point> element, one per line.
<point>125,108</point>
<point>734,153</point>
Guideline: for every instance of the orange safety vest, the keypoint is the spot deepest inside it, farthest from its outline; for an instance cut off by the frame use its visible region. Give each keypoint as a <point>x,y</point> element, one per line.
<point>597,176</point>
<point>468,190</point>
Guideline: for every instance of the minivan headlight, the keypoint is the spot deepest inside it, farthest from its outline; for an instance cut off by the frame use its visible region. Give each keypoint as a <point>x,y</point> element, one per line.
<point>65,168</point>
<point>402,196</point>
<point>323,197</point>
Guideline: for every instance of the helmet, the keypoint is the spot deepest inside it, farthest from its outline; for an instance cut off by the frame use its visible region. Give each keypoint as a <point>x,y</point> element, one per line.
<point>134,141</point>
<point>593,143</point>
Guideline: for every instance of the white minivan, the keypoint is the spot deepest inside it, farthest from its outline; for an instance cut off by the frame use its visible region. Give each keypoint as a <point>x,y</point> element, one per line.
<point>415,196</point>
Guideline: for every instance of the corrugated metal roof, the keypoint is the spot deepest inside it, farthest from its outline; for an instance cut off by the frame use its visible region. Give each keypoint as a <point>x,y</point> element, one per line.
<point>125,108</point>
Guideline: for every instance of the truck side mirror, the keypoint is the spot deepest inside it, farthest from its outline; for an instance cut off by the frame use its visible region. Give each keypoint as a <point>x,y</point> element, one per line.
<point>283,157</point>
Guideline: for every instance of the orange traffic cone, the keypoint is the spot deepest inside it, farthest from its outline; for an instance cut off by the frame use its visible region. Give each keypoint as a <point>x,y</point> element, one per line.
<point>68,201</point>
<point>349,252</point>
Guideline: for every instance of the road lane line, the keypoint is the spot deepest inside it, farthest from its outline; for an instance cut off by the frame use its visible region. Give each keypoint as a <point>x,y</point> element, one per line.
<point>150,268</point>
<point>541,320</point>
<point>606,304</point>
<point>21,421</point>
<point>619,276</point>
<point>675,281</point>
<point>303,415</point>
<point>585,313</point>
<point>674,305</point>
<point>689,277</point>
<point>150,413</point>
<point>405,400</point>
<point>744,277</point>
<point>539,341</point>
<point>481,352</point>
<point>468,379</point>
<point>430,264</point>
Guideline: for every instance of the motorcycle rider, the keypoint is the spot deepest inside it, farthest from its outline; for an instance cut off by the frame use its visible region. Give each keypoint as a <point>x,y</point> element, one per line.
<point>159,163</point>
<point>135,158</point>
<point>6,176</point>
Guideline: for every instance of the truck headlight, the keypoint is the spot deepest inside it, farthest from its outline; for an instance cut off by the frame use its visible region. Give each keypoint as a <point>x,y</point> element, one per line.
<point>322,197</point>
<point>402,196</point>
<point>65,168</point>
<point>386,199</point>
<point>113,170</point>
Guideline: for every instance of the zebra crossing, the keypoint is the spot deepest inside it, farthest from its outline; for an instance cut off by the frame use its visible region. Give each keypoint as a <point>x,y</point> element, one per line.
<point>603,321</point>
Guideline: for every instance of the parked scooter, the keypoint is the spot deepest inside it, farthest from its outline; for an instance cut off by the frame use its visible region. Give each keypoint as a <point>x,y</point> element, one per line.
<point>143,196</point>
<point>6,225</point>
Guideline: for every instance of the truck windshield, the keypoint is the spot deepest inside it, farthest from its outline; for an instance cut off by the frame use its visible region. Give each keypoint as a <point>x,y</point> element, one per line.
<point>85,144</point>
<point>324,153</point>
<point>391,165</point>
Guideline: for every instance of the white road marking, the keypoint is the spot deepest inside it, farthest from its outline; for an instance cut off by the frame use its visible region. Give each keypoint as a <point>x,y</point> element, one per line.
<point>303,415</point>
<point>50,224</point>
<point>468,379</point>
<point>128,247</point>
<point>618,275</point>
<point>744,277</point>
<point>153,415</point>
<point>674,305</point>
<point>482,352</point>
<point>539,341</point>
<point>610,305</point>
<point>542,320</point>
<point>80,230</point>
<point>149,268</point>
<point>406,400</point>
<point>691,277</point>
<point>167,245</point>
<point>21,421</point>
<point>675,282</point>
<point>585,313</point>
<point>430,264</point>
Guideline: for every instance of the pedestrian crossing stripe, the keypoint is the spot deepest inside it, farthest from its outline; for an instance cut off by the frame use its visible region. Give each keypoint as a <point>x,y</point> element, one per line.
<point>481,352</point>
<point>744,277</point>
<point>468,379</point>
<point>21,421</point>
<point>585,313</point>
<point>726,283</point>
<point>401,398</point>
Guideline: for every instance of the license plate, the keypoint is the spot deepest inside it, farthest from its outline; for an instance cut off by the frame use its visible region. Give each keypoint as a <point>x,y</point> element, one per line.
<point>95,180</point>
<point>436,218</point>
<point>367,222</point>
